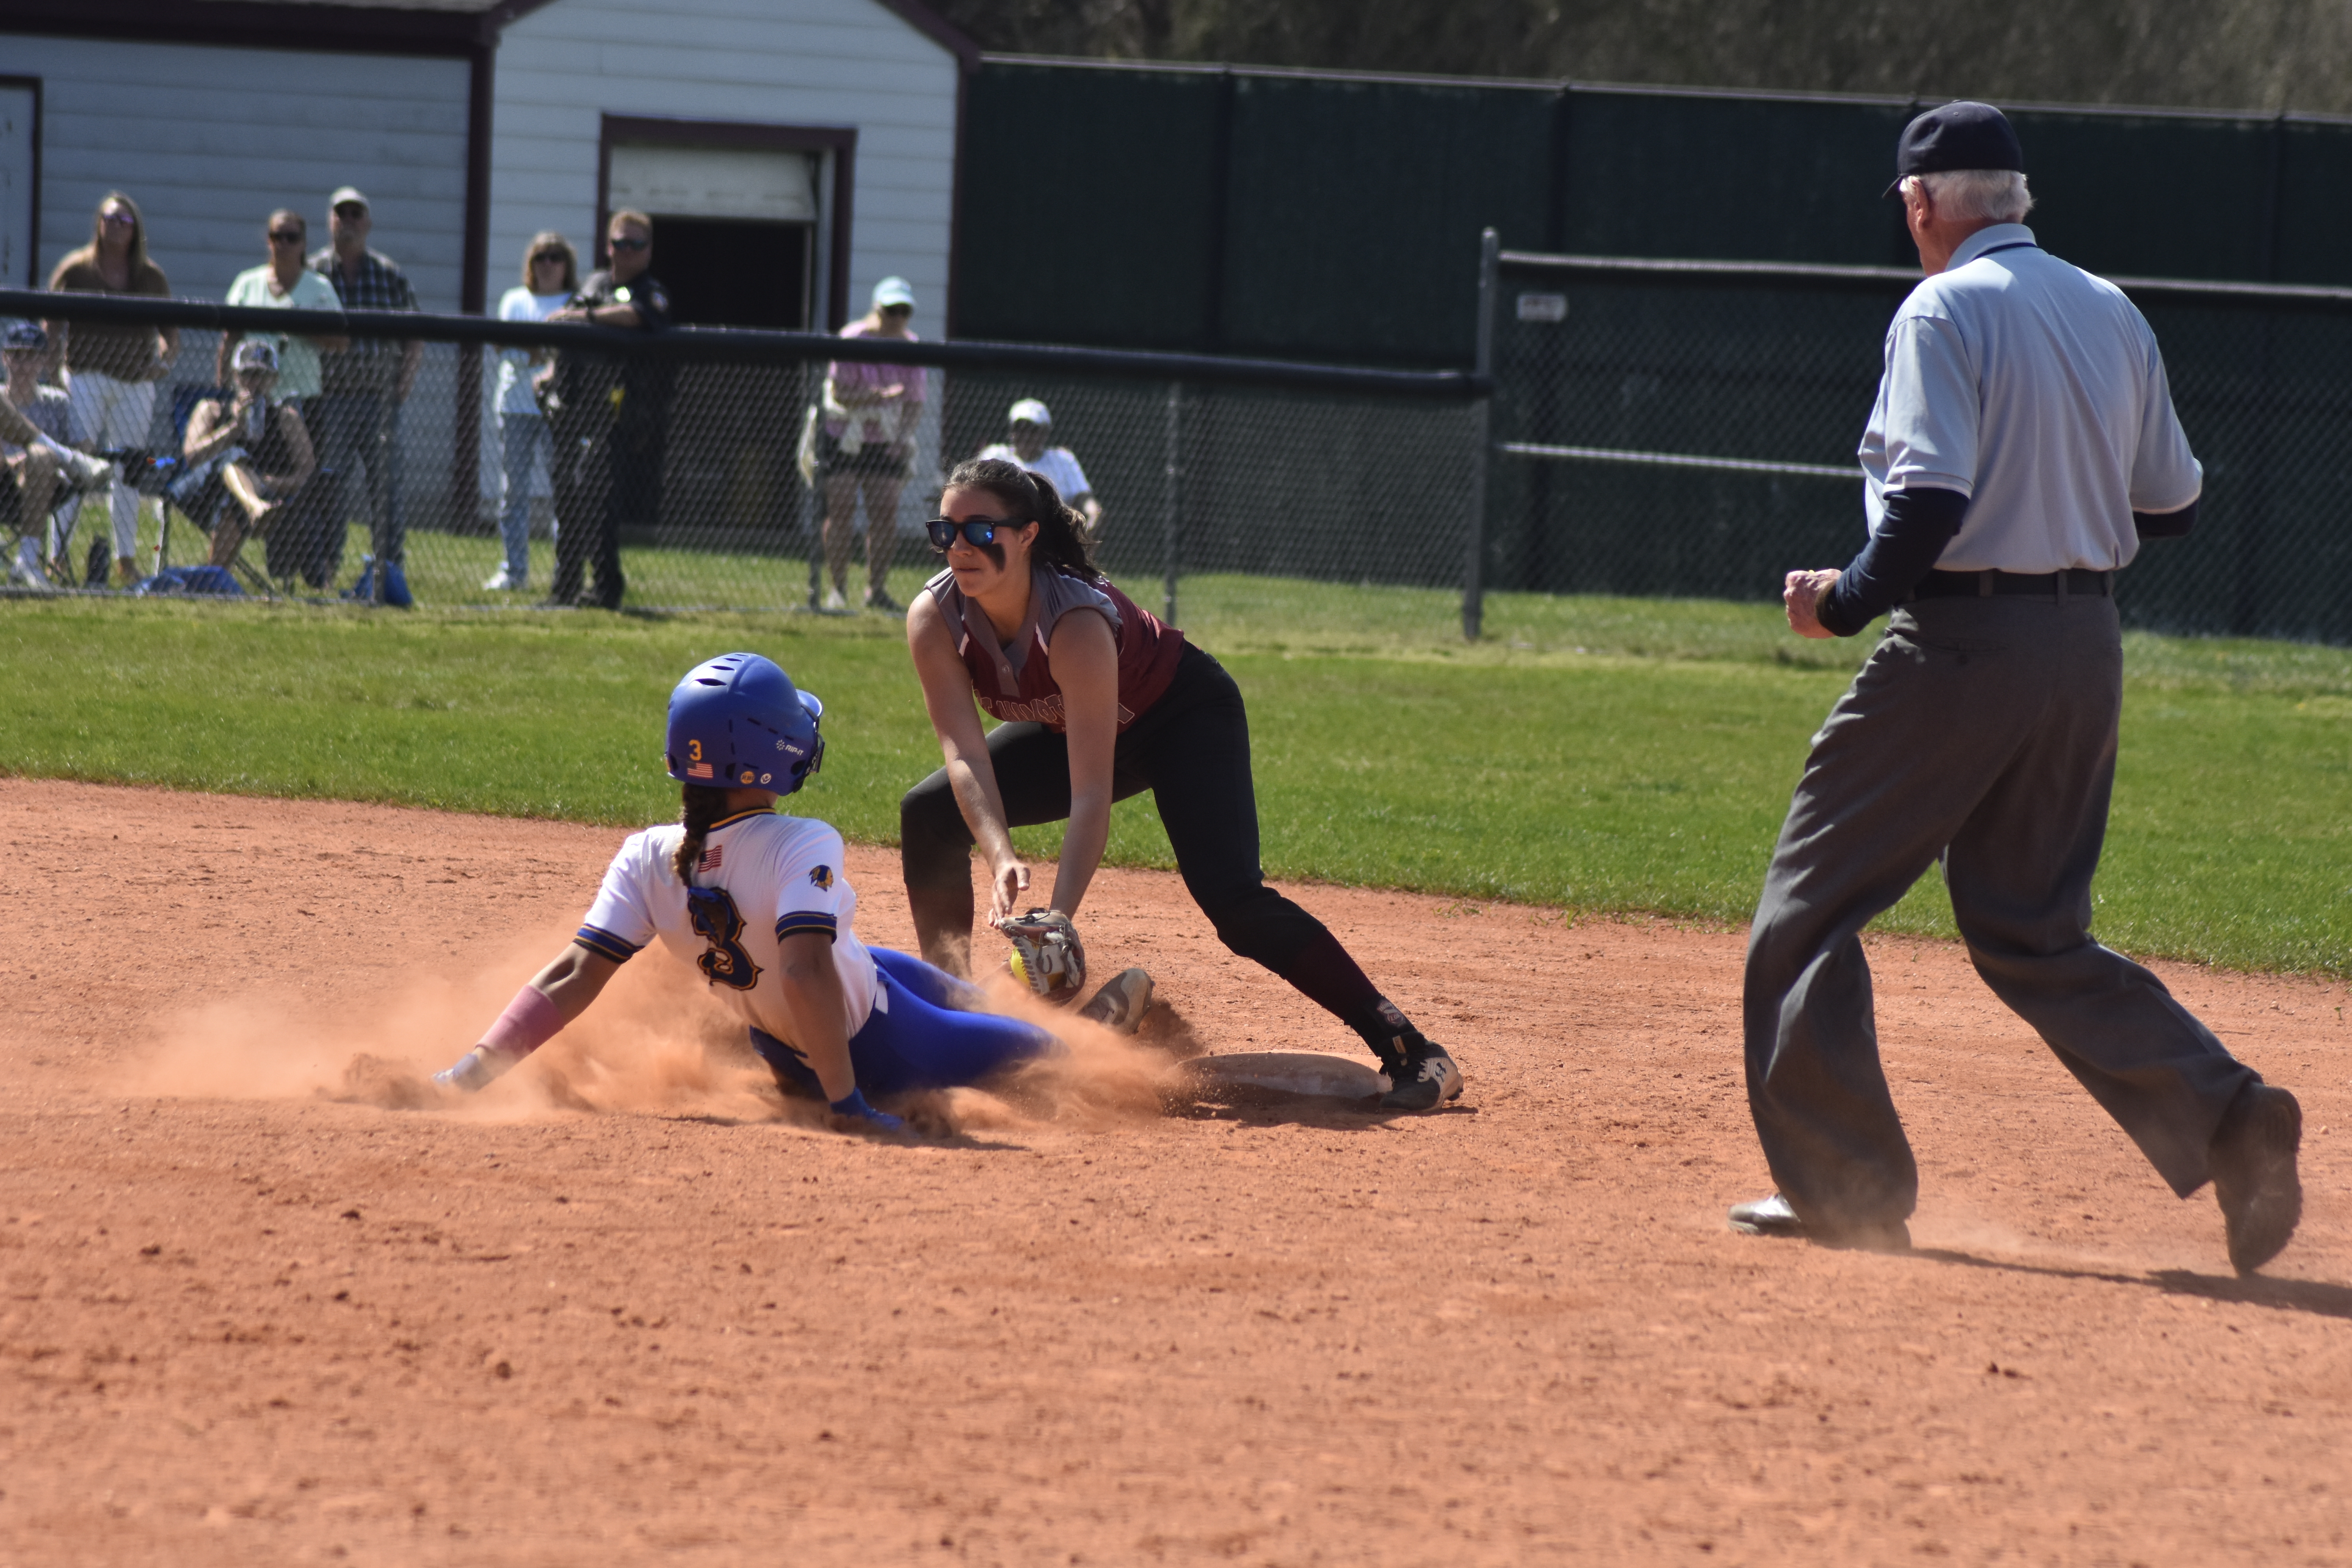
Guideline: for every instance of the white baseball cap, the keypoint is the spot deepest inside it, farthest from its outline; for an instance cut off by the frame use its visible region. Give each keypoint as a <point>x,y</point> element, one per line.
<point>254,354</point>
<point>893,292</point>
<point>1029,411</point>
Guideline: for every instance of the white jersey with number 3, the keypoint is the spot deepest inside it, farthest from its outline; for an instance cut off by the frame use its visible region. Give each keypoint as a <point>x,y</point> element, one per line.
<point>762,877</point>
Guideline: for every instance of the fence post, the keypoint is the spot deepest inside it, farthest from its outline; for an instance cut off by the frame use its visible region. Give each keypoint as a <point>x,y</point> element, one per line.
<point>1169,515</point>
<point>811,390</point>
<point>1473,566</point>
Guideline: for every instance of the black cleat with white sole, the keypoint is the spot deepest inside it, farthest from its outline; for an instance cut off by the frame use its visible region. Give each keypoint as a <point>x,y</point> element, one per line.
<point>1421,1077</point>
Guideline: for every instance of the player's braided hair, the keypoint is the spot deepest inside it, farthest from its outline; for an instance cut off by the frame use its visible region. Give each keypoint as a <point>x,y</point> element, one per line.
<point>702,807</point>
<point>1061,540</point>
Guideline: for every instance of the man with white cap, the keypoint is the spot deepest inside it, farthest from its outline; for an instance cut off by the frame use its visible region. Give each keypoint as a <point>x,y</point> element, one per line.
<point>1033,427</point>
<point>866,445</point>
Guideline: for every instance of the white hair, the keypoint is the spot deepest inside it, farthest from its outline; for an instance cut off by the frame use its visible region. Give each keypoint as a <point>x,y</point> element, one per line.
<point>1999,195</point>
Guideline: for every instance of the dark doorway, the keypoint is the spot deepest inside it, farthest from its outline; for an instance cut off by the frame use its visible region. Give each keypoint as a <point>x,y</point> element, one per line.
<point>734,272</point>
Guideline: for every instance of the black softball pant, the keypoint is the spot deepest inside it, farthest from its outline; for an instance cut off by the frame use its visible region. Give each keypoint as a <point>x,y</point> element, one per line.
<point>1192,751</point>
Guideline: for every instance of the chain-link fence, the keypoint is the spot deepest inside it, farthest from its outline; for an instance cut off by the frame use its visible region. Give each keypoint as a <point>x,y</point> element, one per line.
<point>1683,427</point>
<point>706,468</point>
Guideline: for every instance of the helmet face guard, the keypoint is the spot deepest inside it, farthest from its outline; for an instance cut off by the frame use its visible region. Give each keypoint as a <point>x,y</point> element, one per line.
<point>737,721</point>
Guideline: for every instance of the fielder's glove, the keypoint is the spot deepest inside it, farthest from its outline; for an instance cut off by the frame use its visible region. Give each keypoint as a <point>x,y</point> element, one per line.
<point>1046,954</point>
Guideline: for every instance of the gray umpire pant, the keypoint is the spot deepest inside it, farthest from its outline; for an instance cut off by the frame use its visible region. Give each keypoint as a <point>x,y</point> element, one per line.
<point>1982,731</point>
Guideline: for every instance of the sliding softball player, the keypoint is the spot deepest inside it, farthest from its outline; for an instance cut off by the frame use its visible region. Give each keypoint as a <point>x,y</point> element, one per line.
<point>759,902</point>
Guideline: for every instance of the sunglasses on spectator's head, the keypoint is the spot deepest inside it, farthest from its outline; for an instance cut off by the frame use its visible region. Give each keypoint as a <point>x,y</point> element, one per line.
<point>286,236</point>
<point>977,531</point>
<point>629,242</point>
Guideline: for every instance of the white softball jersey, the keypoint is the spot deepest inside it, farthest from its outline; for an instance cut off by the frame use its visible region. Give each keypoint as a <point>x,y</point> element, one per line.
<point>762,877</point>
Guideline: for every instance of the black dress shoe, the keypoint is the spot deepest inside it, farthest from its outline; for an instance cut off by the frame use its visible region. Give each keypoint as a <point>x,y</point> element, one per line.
<point>1774,1217</point>
<point>2253,1162</point>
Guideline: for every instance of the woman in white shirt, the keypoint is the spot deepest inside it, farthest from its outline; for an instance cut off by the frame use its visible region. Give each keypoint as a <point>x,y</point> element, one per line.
<point>551,274</point>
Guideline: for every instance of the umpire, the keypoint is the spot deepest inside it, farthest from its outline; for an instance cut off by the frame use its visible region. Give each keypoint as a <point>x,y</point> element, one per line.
<point>607,419</point>
<point>2023,444</point>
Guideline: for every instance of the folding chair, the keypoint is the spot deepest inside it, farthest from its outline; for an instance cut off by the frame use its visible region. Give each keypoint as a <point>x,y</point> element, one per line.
<point>36,560</point>
<point>157,475</point>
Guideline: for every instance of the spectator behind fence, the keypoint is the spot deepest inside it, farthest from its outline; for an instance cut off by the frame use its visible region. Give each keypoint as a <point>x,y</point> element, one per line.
<point>1033,425</point>
<point>35,468</point>
<point>551,274</point>
<point>249,455</point>
<point>866,443</point>
<point>284,283</point>
<point>356,415</point>
<point>111,372</point>
<point>608,418</point>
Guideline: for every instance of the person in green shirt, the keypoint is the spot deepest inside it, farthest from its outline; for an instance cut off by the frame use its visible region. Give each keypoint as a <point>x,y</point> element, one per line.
<point>285,283</point>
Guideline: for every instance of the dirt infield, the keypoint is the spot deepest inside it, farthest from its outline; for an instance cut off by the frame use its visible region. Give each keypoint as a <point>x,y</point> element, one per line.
<point>624,1310</point>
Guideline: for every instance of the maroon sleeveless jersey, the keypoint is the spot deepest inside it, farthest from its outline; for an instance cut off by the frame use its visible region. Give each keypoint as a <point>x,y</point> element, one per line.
<point>1015,681</point>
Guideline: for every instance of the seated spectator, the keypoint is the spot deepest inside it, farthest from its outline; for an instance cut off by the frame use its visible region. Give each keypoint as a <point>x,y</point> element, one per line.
<point>40,470</point>
<point>285,282</point>
<point>247,458</point>
<point>551,275</point>
<point>110,371</point>
<point>1033,426</point>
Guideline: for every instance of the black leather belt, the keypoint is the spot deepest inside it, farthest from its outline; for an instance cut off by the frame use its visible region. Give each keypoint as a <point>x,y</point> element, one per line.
<point>1984,585</point>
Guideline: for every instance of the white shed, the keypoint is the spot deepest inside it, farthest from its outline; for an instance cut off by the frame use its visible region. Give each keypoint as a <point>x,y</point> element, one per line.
<point>473,124</point>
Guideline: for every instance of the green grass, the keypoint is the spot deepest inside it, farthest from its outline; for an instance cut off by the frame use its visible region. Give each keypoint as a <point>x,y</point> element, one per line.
<point>1607,756</point>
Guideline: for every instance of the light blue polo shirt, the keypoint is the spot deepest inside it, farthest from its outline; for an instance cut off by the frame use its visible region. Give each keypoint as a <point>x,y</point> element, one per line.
<point>2037,391</point>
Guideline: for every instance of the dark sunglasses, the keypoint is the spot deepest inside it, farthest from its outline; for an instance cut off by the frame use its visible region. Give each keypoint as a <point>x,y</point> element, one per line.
<point>350,212</point>
<point>285,236</point>
<point>977,531</point>
<point>620,243</point>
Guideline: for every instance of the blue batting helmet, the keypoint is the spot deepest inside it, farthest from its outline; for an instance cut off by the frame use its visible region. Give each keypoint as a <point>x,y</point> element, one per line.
<point>738,722</point>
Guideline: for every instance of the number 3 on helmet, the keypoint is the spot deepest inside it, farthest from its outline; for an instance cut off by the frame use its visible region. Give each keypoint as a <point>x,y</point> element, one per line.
<point>737,721</point>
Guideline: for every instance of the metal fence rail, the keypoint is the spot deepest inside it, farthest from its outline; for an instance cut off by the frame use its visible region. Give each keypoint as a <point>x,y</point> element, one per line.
<point>1688,427</point>
<point>1292,474</point>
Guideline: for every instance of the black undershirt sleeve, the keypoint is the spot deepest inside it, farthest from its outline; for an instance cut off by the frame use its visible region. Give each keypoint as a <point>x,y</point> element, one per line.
<point>2165,524</point>
<point>1917,525</point>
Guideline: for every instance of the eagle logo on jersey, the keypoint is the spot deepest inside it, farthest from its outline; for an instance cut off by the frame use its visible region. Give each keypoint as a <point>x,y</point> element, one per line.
<point>717,922</point>
<point>822,878</point>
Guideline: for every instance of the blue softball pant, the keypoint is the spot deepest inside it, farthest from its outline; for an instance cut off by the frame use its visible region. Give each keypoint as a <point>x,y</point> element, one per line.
<point>926,1032</point>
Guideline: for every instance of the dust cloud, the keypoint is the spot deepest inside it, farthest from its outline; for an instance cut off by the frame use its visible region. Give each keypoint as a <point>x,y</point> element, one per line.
<point>655,1044</point>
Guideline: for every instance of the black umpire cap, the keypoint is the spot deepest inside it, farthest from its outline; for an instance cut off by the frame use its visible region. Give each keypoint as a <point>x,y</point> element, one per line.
<point>1961,135</point>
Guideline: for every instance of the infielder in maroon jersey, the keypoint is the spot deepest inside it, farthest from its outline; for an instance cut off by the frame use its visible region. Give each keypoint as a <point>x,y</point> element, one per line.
<point>1100,702</point>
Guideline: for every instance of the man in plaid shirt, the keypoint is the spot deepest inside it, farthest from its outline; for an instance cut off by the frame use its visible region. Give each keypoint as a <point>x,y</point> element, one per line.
<point>355,419</point>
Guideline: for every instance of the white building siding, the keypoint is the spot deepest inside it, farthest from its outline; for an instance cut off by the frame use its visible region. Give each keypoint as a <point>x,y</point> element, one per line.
<point>208,140</point>
<point>801,62</point>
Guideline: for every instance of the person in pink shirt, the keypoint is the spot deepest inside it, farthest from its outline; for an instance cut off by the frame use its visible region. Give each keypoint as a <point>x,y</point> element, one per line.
<point>867,445</point>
